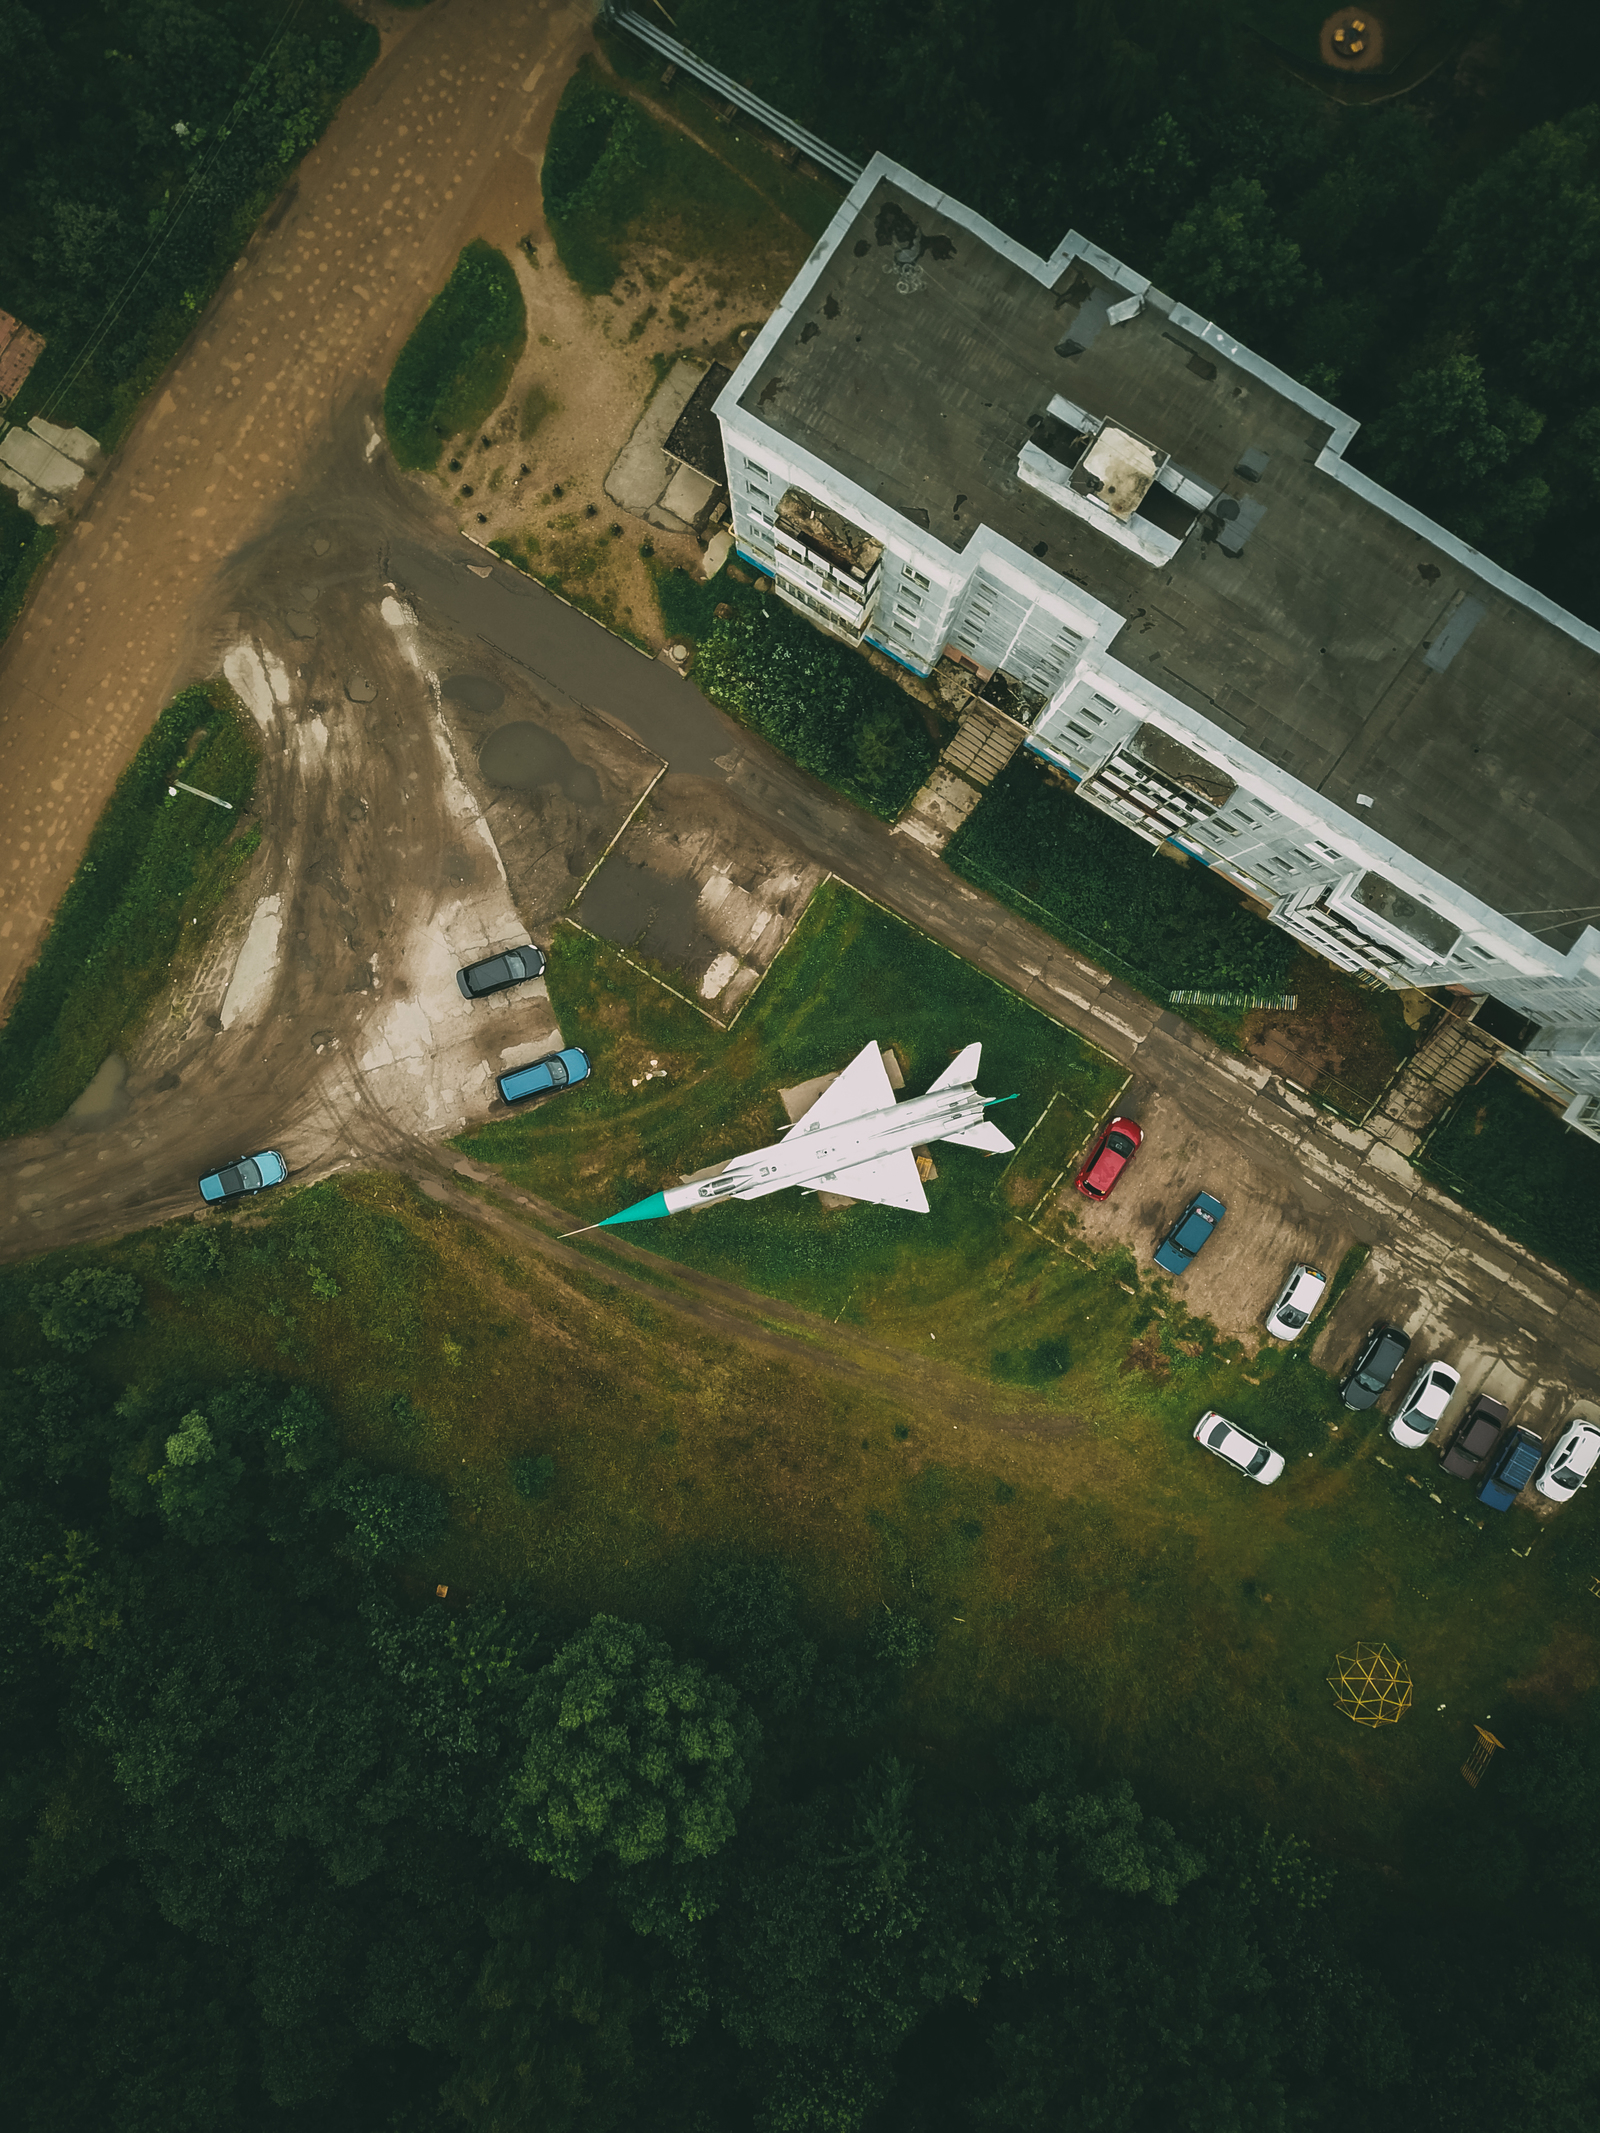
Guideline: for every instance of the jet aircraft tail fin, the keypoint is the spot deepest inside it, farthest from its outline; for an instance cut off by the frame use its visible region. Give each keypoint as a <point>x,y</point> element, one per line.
<point>962,1070</point>
<point>983,1135</point>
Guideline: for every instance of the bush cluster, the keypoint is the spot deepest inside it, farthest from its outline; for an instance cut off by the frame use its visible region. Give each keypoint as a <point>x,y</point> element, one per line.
<point>819,702</point>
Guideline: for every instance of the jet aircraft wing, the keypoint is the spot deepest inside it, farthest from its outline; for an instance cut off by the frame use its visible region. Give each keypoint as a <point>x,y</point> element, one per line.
<point>863,1086</point>
<point>962,1070</point>
<point>889,1180</point>
<point>985,1135</point>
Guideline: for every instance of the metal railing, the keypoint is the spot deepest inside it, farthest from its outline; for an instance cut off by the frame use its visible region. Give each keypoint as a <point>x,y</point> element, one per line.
<point>733,92</point>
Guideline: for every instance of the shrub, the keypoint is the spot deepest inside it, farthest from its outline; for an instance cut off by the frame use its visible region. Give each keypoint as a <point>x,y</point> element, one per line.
<point>1035,846</point>
<point>191,1258</point>
<point>84,1306</point>
<point>391,1515</point>
<point>819,702</point>
<point>453,371</point>
<point>532,1476</point>
<point>900,1641</point>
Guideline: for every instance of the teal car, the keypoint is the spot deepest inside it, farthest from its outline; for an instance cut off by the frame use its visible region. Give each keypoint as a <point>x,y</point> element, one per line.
<point>245,1174</point>
<point>1190,1234</point>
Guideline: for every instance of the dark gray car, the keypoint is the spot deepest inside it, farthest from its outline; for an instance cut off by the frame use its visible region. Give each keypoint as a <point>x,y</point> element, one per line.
<point>1473,1438</point>
<point>513,966</point>
<point>1377,1359</point>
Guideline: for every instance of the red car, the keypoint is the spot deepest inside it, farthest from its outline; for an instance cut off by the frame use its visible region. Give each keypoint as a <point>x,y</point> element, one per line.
<point>1113,1152</point>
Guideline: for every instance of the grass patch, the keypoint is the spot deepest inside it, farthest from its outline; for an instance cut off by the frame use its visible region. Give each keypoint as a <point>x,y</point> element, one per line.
<point>537,408</point>
<point>614,176</point>
<point>577,562</point>
<point>850,972</point>
<point>806,693</point>
<point>155,868</point>
<point>1506,1155</point>
<point>1179,1620</point>
<point>453,372</point>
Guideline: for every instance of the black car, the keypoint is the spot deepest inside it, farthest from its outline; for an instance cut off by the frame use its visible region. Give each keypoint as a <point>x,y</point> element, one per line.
<point>1473,1438</point>
<point>513,966</point>
<point>1377,1359</point>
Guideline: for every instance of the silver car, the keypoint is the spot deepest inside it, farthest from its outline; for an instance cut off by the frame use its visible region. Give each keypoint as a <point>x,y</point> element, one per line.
<point>1428,1395</point>
<point>1255,1460</point>
<point>1570,1463</point>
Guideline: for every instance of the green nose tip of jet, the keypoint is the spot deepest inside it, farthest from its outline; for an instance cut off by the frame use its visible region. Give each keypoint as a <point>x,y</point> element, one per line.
<point>640,1211</point>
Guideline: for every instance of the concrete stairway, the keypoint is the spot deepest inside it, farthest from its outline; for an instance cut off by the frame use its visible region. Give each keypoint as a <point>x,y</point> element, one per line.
<point>985,742</point>
<point>1452,1059</point>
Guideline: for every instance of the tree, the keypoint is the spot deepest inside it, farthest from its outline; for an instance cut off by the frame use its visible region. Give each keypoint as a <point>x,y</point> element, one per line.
<point>631,1756</point>
<point>391,1515</point>
<point>1227,258</point>
<point>1520,247</point>
<point>1441,437</point>
<point>192,1258</point>
<point>83,1306</point>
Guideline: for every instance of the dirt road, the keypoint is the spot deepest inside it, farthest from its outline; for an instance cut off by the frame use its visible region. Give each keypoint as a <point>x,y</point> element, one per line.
<point>308,323</point>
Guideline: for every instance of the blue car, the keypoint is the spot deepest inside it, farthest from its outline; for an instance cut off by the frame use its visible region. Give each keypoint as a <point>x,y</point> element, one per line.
<point>1519,1453</point>
<point>1189,1234</point>
<point>245,1174</point>
<point>556,1070</point>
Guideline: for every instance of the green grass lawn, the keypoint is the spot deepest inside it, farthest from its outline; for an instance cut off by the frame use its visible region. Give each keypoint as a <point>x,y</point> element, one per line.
<point>453,372</point>
<point>1073,1552</point>
<point>1510,1158</point>
<point>614,175</point>
<point>157,867</point>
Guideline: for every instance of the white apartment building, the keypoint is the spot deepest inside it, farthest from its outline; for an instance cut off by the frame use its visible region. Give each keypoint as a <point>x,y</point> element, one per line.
<point>947,447</point>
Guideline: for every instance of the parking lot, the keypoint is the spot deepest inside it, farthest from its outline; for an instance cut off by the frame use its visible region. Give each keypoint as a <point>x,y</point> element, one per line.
<point>1273,1223</point>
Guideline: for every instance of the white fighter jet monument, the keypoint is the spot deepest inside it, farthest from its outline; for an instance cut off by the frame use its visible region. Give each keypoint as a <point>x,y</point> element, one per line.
<point>855,1140</point>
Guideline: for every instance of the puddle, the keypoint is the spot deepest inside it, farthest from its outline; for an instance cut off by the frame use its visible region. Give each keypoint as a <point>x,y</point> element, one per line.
<point>473,692</point>
<point>105,1098</point>
<point>526,756</point>
<point>638,908</point>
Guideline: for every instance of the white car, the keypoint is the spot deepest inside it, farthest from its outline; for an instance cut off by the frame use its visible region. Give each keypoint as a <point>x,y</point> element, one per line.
<point>1424,1404</point>
<point>1569,1466</point>
<point>1302,1292</point>
<point>1238,1447</point>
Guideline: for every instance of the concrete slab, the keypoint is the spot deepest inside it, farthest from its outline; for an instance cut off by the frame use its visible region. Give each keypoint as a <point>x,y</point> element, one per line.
<point>40,463</point>
<point>702,890</point>
<point>642,470</point>
<point>687,494</point>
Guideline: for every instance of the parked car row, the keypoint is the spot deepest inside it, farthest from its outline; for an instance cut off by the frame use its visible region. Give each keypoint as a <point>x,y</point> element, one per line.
<point>249,1174</point>
<point>1484,1447</point>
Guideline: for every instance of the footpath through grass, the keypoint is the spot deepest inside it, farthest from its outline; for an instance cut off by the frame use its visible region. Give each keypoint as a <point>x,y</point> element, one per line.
<point>1510,1158</point>
<point>155,866</point>
<point>453,372</point>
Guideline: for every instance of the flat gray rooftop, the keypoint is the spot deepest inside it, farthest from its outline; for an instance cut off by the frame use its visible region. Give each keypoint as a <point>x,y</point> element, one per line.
<point>1312,645</point>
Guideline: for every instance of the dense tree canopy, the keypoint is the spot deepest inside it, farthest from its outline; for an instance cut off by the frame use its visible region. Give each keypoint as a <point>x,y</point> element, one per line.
<point>287,1843</point>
